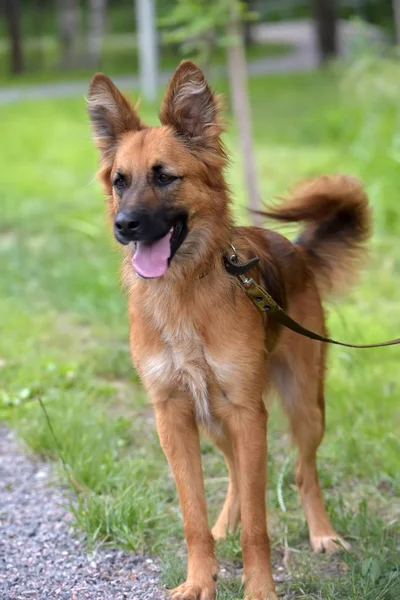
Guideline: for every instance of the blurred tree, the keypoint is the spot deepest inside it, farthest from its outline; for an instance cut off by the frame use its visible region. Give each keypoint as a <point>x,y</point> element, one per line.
<point>396,13</point>
<point>96,28</point>
<point>200,25</point>
<point>69,21</point>
<point>37,23</point>
<point>241,104</point>
<point>379,12</point>
<point>325,17</point>
<point>147,47</point>
<point>13,18</point>
<point>247,24</point>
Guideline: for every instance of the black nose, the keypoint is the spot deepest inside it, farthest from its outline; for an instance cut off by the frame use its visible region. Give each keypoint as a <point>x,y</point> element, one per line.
<point>125,227</point>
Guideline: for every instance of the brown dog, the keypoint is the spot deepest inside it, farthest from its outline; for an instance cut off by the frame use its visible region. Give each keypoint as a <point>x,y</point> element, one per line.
<point>206,356</point>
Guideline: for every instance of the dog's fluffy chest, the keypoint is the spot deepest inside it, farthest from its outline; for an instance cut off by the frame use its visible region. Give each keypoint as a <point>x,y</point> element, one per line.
<point>177,354</point>
<point>180,361</point>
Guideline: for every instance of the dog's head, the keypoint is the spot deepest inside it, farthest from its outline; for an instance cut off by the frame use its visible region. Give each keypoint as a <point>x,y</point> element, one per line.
<point>164,184</point>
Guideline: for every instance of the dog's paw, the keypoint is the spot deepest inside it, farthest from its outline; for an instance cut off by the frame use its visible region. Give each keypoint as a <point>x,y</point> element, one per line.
<point>260,586</point>
<point>192,591</point>
<point>328,544</point>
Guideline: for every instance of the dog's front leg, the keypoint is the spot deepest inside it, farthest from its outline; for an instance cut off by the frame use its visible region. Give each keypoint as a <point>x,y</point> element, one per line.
<point>179,439</point>
<point>247,428</point>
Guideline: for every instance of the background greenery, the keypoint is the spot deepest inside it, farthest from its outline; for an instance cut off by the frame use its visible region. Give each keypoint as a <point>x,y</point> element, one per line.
<point>64,334</point>
<point>41,16</point>
<point>42,51</point>
<point>120,57</point>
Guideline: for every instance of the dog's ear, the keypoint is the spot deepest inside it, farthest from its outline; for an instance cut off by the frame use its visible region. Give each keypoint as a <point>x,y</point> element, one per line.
<point>191,108</point>
<point>111,115</point>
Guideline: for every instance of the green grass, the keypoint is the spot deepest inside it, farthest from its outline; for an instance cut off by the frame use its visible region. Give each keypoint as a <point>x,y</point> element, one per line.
<point>64,337</point>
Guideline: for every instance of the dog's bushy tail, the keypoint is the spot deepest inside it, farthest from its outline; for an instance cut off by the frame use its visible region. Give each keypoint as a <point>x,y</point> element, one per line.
<point>337,224</point>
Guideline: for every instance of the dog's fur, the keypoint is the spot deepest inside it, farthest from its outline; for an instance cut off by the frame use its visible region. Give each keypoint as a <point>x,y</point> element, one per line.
<point>204,353</point>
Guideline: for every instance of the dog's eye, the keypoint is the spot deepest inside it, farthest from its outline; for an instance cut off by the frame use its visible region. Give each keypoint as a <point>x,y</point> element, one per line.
<point>164,178</point>
<point>119,182</point>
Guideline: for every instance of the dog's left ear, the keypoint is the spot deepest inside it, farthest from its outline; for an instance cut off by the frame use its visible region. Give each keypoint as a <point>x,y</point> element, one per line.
<point>192,109</point>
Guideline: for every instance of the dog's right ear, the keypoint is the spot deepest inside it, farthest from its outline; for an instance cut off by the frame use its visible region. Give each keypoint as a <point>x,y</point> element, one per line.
<point>111,115</point>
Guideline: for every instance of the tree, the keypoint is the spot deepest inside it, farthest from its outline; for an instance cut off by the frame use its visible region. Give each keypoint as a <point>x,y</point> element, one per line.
<point>69,29</point>
<point>325,18</point>
<point>13,19</point>
<point>247,24</point>
<point>96,29</point>
<point>201,24</point>
<point>241,105</point>
<point>396,13</point>
<point>147,47</point>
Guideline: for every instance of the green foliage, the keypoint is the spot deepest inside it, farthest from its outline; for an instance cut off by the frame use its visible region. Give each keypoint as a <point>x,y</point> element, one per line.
<point>379,12</point>
<point>199,26</point>
<point>367,121</point>
<point>119,53</point>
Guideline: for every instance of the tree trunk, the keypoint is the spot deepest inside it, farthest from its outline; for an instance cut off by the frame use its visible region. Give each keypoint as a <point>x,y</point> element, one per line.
<point>396,13</point>
<point>247,25</point>
<point>247,31</point>
<point>38,22</point>
<point>96,30</point>
<point>325,17</point>
<point>69,30</point>
<point>147,47</point>
<point>12,15</point>
<point>241,108</point>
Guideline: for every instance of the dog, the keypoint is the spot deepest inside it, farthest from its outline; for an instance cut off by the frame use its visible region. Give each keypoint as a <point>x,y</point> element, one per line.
<point>206,356</point>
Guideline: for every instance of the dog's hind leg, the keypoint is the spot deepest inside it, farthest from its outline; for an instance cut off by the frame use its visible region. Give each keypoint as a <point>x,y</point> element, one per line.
<point>229,518</point>
<point>308,434</point>
<point>300,382</point>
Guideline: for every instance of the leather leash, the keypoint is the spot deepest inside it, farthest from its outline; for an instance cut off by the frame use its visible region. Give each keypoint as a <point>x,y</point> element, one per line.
<point>266,304</point>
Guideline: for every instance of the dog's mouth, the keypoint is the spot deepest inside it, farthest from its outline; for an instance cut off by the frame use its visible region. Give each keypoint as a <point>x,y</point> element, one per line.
<point>152,259</point>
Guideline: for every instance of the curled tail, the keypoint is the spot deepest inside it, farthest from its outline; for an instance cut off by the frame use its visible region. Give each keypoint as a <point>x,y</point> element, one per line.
<point>337,224</point>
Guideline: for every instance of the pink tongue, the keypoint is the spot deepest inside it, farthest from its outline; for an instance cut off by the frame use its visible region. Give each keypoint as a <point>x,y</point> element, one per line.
<point>151,260</point>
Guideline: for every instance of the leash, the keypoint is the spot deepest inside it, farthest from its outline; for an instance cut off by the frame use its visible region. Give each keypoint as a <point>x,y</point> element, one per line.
<point>266,304</point>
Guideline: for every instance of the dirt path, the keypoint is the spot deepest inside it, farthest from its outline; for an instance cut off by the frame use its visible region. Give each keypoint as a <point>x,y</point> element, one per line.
<point>40,556</point>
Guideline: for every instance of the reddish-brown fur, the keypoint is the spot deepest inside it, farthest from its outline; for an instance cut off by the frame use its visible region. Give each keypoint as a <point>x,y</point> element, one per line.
<point>204,353</point>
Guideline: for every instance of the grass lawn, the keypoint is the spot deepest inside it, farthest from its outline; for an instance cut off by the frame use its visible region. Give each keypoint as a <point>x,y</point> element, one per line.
<point>64,338</point>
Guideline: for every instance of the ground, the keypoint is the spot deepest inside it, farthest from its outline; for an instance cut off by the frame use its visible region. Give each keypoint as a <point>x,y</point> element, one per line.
<point>64,337</point>
<point>41,557</point>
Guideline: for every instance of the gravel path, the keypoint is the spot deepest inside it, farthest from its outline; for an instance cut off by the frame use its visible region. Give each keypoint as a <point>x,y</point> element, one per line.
<point>41,558</point>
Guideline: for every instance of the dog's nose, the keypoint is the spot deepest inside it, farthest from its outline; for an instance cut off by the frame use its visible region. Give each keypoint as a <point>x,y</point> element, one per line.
<point>126,226</point>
